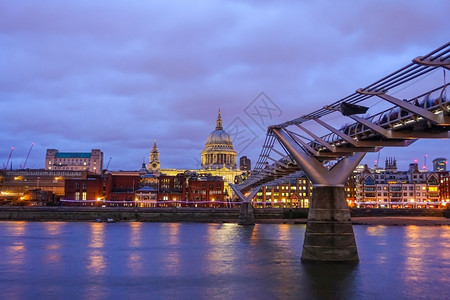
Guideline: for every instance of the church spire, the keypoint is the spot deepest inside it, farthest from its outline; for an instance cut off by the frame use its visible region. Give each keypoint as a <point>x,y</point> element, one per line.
<point>153,164</point>
<point>219,122</point>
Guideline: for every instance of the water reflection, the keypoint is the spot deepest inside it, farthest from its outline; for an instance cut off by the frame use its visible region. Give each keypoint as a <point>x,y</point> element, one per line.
<point>376,230</point>
<point>135,236</point>
<point>16,254</point>
<point>53,229</point>
<point>172,257</point>
<point>96,264</point>
<point>96,258</point>
<point>214,261</point>
<point>134,260</point>
<point>16,251</point>
<point>378,235</point>
<point>414,254</point>
<point>255,232</point>
<point>173,234</point>
<point>97,236</point>
<point>18,228</point>
<point>445,244</point>
<point>331,281</point>
<point>221,254</point>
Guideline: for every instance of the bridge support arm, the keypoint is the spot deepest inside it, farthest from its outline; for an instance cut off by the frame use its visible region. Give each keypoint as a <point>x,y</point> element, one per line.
<point>316,172</point>
<point>329,233</point>
<point>246,216</point>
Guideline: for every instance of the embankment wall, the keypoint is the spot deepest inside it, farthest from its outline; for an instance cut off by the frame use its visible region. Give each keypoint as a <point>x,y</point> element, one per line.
<point>184,214</point>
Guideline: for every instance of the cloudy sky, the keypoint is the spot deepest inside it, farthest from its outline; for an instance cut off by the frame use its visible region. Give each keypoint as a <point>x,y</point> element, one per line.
<point>115,75</point>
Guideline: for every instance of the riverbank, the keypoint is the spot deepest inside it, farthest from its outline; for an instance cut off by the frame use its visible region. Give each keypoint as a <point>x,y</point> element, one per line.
<point>399,217</point>
<point>402,221</point>
<point>375,221</point>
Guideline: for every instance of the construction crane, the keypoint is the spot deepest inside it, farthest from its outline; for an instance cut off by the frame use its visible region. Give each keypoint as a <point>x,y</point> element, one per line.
<point>9,158</point>
<point>29,151</point>
<point>425,162</point>
<point>107,165</point>
<point>377,162</point>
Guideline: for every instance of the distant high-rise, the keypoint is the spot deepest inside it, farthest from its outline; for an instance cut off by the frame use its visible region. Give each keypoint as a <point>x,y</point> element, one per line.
<point>440,164</point>
<point>245,163</point>
<point>74,161</point>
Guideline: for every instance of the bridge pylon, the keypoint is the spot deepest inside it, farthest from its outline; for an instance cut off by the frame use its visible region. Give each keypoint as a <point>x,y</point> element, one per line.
<point>329,233</point>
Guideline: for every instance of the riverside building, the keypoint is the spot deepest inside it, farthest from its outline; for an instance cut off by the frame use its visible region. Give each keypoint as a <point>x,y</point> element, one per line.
<point>390,188</point>
<point>35,186</point>
<point>74,161</point>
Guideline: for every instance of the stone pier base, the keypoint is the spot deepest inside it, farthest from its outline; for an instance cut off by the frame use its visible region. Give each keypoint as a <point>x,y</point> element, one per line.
<point>329,233</point>
<point>246,216</point>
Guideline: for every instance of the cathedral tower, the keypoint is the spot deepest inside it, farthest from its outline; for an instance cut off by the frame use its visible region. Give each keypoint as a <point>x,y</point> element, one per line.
<point>153,164</point>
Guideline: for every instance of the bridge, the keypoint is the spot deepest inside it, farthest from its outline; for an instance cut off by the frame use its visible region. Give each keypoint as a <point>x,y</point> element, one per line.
<point>326,145</point>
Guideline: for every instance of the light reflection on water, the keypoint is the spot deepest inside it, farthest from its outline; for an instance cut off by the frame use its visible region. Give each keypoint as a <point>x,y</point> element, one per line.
<point>53,230</point>
<point>171,259</point>
<point>134,260</point>
<point>221,255</point>
<point>215,261</point>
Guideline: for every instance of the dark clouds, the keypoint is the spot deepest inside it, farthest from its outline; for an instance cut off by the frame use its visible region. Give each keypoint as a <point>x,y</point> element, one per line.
<point>77,75</point>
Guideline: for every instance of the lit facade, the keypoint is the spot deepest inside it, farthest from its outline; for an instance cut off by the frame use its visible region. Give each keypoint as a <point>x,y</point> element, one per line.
<point>35,186</point>
<point>74,161</point>
<point>206,191</point>
<point>390,188</point>
<point>291,193</point>
<point>153,162</point>
<point>444,189</point>
<point>440,164</point>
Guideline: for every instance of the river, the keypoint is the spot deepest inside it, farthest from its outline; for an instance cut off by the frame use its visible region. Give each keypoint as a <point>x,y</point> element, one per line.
<point>76,260</point>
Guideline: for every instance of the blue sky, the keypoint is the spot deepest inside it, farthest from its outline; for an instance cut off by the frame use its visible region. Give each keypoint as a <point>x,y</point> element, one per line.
<point>114,75</point>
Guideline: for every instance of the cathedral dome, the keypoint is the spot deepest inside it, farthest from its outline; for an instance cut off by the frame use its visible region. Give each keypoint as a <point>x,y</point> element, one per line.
<point>219,150</point>
<point>219,136</point>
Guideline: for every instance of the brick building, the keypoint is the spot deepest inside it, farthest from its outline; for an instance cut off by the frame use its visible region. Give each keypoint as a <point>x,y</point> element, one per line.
<point>172,190</point>
<point>206,191</point>
<point>86,192</point>
<point>121,186</point>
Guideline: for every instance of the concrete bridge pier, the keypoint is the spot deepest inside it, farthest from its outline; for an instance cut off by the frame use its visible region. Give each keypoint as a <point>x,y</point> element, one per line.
<point>329,233</point>
<point>246,216</point>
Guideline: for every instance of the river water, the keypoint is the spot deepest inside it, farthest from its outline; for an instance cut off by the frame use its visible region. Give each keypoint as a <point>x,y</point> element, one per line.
<point>71,260</point>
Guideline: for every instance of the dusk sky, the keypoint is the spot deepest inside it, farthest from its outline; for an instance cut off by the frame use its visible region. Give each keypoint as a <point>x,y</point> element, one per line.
<point>116,75</point>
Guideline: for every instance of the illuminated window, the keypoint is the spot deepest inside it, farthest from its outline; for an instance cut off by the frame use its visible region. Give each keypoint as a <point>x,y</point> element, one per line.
<point>84,195</point>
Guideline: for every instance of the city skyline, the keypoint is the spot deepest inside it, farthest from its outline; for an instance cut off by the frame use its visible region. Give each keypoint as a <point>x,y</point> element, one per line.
<point>81,76</point>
